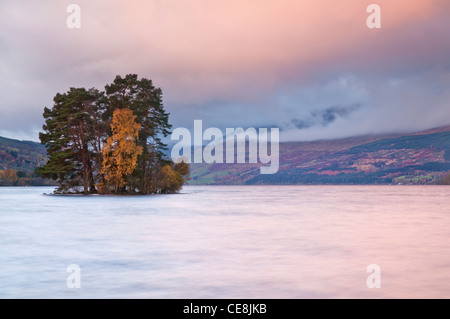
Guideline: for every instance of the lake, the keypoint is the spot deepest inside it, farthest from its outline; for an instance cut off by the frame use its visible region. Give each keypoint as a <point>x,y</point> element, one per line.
<point>228,242</point>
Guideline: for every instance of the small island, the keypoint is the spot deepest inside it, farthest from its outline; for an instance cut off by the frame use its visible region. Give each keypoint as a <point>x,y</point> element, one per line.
<point>110,142</point>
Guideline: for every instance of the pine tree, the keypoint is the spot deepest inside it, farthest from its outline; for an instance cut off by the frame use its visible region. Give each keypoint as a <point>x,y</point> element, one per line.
<point>71,140</point>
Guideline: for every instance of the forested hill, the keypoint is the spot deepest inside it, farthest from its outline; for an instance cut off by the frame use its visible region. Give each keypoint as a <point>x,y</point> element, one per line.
<point>419,158</point>
<point>21,155</point>
<point>18,161</point>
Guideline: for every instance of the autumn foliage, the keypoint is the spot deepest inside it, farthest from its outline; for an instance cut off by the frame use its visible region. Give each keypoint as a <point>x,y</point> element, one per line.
<point>120,152</point>
<point>111,141</point>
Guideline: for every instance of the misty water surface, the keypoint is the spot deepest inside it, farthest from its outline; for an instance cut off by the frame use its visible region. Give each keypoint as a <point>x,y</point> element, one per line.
<point>228,242</point>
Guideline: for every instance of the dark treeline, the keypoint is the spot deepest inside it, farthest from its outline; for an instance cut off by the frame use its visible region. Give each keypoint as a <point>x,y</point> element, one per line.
<point>12,177</point>
<point>445,180</point>
<point>301,176</point>
<point>110,141</point>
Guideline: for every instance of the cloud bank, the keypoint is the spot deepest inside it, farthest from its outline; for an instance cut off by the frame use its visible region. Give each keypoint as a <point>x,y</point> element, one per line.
<point>312,68</point>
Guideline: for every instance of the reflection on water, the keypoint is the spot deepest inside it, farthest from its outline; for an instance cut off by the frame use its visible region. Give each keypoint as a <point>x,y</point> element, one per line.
<point>228,242</point>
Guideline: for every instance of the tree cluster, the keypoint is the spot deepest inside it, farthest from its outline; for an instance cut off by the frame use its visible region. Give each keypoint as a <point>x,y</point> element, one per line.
<point>110,141</point>
<point>444,180</point>
<point>12,177</point>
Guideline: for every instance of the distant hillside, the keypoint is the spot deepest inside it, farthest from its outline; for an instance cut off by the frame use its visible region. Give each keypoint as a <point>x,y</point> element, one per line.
<point>21,155</point>
<point>18,161</point>
<point>418,158</point>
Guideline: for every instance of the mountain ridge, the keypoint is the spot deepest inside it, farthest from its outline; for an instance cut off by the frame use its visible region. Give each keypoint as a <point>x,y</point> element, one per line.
<point>421,157</point>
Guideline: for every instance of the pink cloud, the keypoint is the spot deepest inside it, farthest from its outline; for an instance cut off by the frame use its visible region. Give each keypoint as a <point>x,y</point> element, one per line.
<point>203,50</point>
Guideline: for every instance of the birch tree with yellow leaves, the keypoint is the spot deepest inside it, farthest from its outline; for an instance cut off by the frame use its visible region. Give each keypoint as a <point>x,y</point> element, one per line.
<point>120,153</point>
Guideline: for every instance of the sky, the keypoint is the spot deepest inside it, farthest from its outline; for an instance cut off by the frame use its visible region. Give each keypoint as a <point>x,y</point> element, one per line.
<point>312,68</point>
